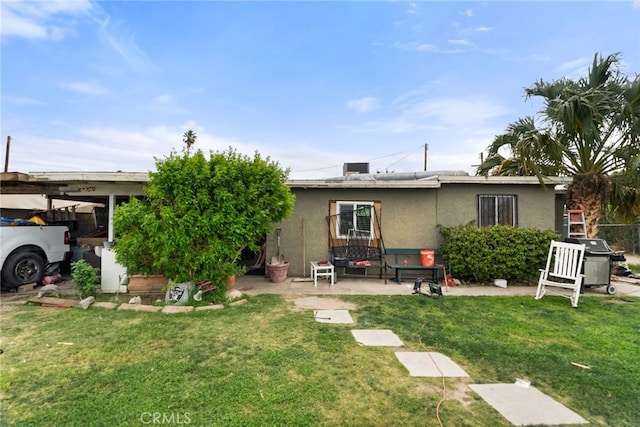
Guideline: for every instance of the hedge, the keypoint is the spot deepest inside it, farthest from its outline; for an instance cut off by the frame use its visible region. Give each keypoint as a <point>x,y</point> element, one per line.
<point>483,254</point>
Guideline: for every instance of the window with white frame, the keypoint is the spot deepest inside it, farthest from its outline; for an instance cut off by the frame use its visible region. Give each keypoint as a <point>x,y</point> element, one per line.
<point>354,219</point>
<point>497,209</point>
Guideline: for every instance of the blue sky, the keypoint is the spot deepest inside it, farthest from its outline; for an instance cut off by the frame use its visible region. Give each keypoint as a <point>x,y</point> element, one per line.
<point>106,86</point>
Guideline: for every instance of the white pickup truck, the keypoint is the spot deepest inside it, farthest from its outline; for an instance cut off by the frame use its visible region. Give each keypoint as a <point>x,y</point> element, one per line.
<point>27,249</point>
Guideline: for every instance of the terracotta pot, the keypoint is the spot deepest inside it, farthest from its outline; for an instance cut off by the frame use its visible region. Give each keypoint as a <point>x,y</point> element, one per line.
<point>231,282</point>
<point>140,284</point>
<point>278,272</point>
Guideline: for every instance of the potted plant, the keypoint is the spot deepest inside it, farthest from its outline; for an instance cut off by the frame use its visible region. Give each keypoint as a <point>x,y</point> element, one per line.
<point>199,213</point>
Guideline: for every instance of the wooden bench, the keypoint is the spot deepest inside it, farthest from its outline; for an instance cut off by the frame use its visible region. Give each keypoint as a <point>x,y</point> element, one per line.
<point>412,256</point>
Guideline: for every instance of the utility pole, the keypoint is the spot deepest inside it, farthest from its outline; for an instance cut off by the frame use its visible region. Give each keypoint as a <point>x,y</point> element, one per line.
<point>426,148</point>
<point>6,156</point>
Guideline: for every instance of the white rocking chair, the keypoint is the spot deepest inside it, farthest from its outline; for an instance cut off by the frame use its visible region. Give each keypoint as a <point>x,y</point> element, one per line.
<point>563,270</point>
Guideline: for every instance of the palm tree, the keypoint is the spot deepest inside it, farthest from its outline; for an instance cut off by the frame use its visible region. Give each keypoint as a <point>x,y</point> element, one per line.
<point>189,138</point>
<point>531,150</point>
<point>589,130</point>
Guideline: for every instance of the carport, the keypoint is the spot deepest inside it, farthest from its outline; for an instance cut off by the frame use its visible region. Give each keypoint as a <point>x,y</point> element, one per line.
<point>106,188</point>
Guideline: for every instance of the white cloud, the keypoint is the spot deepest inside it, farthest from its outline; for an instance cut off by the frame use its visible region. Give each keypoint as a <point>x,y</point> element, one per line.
<point>86,88</point>
<point>425,47</point>
<point>573,64</point>
<point>420,47</point>
<point>364,105</point>
<point>484,29</point>
<point>164,99</point>
<point>456,112</point>
<point>20,100</point>
<point>56,20</point>
<point>416,114</point>
<point>95,149</point>
<point>40,19</point>
<point>460,42</point>
<point>113,148</point>
<point>576,68</point>
<point>117,38</point>
<point>13,25</point>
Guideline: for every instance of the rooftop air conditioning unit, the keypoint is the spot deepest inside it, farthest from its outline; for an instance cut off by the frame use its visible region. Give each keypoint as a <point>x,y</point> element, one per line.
<point>355,168</point>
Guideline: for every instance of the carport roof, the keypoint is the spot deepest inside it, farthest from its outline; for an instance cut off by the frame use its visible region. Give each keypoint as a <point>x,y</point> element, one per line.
<point>92,187</point>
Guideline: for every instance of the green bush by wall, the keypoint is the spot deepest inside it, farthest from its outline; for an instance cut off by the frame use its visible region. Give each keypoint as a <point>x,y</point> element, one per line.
<point>483,254</point>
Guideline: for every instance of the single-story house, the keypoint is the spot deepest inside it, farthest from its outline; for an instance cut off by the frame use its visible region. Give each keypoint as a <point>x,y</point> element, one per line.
<point>404,210</point>
<point>399,209</point>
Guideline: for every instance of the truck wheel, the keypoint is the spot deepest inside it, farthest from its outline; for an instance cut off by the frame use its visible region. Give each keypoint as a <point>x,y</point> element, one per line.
<point>21,268</point>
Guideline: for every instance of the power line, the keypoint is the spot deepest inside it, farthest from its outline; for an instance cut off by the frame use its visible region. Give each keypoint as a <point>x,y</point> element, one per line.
<point>407,155</point>
<point>413,151</point>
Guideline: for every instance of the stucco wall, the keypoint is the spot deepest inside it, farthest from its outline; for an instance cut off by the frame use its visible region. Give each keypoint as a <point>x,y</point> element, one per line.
<point>409,217</point>
<point>457,204</point>
<point>407,220</point>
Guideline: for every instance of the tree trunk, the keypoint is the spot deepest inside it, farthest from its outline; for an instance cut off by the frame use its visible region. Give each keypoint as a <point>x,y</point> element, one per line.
<point>588,193</point>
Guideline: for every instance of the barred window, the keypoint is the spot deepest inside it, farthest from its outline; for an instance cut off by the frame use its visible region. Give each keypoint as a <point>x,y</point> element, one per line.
<point>497,209</point>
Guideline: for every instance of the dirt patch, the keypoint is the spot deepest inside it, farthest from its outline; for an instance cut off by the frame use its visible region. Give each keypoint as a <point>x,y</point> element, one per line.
<point>619,301</point>
<point>318,303</point>
<point>457,389</point>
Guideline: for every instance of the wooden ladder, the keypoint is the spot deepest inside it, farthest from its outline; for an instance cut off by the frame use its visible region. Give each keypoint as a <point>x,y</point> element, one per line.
<point>576,224</point>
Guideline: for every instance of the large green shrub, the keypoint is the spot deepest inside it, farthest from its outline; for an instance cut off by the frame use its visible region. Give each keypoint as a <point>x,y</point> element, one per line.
<point>200,213</point>
<point>486,253</point>
<point>85,278</point>
<point>134,223</point>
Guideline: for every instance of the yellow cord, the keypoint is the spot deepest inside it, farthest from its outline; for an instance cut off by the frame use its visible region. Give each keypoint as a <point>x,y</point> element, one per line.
<point>444,385</point>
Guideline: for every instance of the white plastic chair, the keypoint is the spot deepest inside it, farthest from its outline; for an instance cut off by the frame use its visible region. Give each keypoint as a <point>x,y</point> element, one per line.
<point>563,271</point>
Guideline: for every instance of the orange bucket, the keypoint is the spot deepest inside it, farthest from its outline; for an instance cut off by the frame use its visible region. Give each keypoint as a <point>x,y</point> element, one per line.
<point>427,257</point>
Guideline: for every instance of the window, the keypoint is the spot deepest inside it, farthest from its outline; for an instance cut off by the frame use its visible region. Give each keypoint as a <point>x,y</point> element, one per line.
<point>497,210</point>
<point>354,219</point>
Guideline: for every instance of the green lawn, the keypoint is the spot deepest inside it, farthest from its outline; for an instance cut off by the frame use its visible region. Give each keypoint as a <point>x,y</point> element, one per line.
<point>267,363</point>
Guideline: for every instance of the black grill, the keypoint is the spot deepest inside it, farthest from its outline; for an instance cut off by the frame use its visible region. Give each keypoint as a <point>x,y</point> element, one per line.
<point>592,246</point>
<point>598,259</point>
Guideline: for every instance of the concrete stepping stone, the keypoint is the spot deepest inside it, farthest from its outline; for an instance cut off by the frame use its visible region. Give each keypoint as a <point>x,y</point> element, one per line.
<point>526,405</point>
<point>324,303</point>
<point>429,364</point>
<point>332,316</point>
<point>377,337</point>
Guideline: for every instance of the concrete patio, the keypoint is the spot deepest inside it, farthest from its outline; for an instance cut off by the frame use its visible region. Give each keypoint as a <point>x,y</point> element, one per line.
<point>257,284</point>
